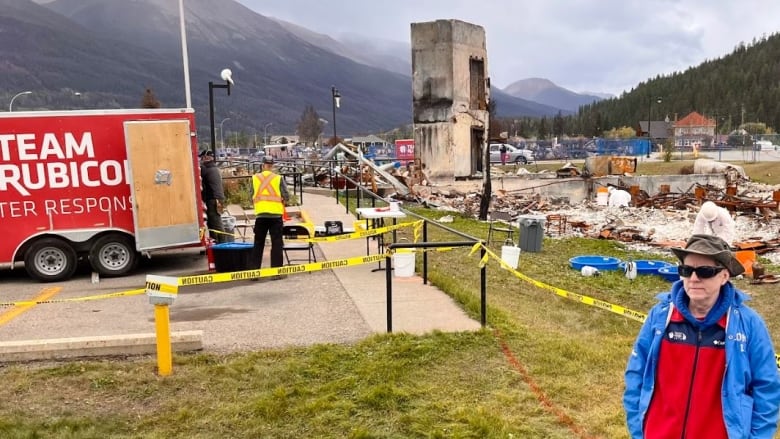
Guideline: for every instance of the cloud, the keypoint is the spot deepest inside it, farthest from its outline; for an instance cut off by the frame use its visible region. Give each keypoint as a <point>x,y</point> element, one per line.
<point>583,45</point>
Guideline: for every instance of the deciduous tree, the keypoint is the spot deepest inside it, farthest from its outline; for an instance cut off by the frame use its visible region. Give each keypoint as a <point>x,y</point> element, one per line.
<point>309,126</point>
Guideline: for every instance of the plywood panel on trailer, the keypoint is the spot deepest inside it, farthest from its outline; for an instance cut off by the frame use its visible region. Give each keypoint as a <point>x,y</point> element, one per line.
<point>157,149</point>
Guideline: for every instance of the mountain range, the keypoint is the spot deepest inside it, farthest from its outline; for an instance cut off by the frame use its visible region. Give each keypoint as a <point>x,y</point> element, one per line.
<point>105,53</point>
<point>544,90</point>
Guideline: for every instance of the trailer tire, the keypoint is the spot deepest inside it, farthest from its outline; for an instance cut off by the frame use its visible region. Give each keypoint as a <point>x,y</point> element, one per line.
<point>50,260</point>
<point>113,255</point>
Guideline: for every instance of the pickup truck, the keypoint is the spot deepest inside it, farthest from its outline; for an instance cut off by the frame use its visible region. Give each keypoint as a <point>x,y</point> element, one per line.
<point>515,155</point>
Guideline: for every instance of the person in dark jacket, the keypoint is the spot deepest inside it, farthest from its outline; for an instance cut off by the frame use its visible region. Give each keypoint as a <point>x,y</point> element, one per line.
<point>212,194</point>
<point>703,365</point>
<point>504,154</point>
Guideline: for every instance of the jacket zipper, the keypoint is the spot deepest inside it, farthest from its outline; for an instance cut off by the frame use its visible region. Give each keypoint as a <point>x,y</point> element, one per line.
<point>690,386</point>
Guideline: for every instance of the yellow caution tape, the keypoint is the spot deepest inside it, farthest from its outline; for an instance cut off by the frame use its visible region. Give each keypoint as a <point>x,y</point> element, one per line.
<point>418,230</point>
<point>275,271</point>
<point>421,250</point>
<point>476,247</point>
<point>163,288</point>
<point>358,234</point>
<point>77,299</point>
<point>617,309</point>
<point>220,232</point>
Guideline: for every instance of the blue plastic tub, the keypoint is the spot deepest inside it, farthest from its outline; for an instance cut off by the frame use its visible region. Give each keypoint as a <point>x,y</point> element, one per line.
<point>646,267</point>
<point>669,273</point>
<point>602,263</point>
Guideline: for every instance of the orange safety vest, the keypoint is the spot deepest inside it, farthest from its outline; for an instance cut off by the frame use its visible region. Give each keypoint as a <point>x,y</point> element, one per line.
<point>267,193</point>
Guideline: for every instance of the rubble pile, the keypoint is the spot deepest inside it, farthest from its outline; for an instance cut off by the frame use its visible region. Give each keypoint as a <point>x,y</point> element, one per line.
<point>661,221</point>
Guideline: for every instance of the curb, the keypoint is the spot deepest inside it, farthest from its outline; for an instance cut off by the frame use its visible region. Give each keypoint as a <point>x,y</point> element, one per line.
<point>76,347</point>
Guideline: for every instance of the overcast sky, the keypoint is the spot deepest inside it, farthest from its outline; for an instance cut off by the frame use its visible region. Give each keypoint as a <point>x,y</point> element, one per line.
<point>606,46</point>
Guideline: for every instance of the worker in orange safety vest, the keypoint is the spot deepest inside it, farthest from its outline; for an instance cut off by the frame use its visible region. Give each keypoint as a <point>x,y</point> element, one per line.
<point>269,196</point>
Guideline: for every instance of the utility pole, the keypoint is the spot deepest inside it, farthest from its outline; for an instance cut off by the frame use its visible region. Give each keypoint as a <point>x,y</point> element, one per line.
<point>743,116</point>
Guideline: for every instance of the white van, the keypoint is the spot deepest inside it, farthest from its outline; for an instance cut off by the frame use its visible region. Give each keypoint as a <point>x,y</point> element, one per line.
<point>765,145</point>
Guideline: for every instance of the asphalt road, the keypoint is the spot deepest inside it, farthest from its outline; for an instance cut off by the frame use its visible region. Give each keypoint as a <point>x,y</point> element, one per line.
<point>301,309</point>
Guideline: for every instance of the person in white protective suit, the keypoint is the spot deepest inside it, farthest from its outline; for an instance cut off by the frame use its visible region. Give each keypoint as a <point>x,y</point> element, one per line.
<point>715,220</point>
<point>618,198</point>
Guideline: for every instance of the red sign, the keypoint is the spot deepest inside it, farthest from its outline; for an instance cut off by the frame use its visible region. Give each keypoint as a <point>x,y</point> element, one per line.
<point>404,150</point>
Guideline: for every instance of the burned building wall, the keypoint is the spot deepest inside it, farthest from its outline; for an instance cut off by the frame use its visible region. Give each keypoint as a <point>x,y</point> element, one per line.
<point>450,93</point>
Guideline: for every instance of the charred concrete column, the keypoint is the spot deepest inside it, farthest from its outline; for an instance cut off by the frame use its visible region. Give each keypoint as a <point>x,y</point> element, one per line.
<point>451,89</point>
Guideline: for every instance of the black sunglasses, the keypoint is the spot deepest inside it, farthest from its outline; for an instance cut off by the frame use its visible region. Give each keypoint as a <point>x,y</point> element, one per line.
<point>703,272</point>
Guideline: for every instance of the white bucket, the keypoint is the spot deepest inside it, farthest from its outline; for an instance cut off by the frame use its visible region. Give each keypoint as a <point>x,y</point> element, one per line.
<point>403,263</point>
<point>510,255</point>
<point>602,198</point>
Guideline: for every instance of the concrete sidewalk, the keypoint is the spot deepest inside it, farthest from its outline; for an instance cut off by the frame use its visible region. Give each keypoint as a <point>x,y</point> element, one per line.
<point>416,308</point>
<point>342,305</point>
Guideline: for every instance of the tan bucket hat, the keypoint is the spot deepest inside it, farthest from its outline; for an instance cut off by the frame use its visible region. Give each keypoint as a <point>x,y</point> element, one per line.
<point>714,247</point>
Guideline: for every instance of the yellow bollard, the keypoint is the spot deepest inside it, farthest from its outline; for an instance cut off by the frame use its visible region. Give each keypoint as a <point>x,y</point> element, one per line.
<point>162,290</point>
<point>162,324</point>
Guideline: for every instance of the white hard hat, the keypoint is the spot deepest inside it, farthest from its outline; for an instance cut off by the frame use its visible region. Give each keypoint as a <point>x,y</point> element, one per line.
<point>709,211</point>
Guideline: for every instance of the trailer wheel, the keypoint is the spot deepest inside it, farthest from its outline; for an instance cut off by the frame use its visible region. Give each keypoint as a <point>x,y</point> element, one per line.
<point>50,260</point>
<point>113,255</point>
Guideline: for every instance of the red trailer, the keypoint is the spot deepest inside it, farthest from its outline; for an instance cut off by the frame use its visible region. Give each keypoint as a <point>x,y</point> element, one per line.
<point>105,185</point>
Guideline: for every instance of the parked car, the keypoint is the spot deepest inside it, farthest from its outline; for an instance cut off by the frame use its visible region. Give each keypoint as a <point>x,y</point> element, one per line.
<point>515,155</point>
<point>765,145</point>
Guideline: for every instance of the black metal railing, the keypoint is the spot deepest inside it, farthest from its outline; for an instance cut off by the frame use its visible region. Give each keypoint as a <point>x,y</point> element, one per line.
<point>468,241</point>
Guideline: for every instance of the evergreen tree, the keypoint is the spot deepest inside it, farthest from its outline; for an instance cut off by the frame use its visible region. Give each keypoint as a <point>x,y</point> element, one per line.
<point>559,125</point>
<point>149,100</point>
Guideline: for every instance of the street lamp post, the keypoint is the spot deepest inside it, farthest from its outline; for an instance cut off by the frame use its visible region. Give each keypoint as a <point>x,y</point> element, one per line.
<point>336,103</point>
<point>720,144</point>
<point>322,121</point>
<point>649,121</point>
<point>265,132</point>
<point>11,104</point>
<point>221,133</point>
<point>227,77</point>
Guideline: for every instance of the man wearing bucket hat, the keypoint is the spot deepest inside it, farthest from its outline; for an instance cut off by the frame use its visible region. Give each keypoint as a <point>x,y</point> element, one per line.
<point>677,380</point>
<point>715,220</point>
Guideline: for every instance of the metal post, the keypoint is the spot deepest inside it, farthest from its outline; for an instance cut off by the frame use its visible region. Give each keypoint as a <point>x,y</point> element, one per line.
<point>163,331</point>
<point>211,118</point>
<point>212,86</point>
<point>265,132</point>
<point>649,121</point>
<point>11,104</point>
<point>222,133</point>
<point>336,98</point>
<point>483,289</point>
<point>185,61</point>
<point>425,254</point>
<point>720,150</point>
<point>389,289</point>
<point>649,117</point>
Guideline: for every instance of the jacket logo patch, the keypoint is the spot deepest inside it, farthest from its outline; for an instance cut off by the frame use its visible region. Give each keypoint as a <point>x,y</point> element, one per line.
<point>677,336</point>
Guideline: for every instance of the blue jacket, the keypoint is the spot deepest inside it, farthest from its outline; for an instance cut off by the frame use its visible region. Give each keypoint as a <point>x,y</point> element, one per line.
<point>751,386</point>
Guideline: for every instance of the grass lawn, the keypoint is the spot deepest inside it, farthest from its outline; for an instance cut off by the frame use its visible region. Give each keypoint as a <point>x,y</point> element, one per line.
<point>546,367</point>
